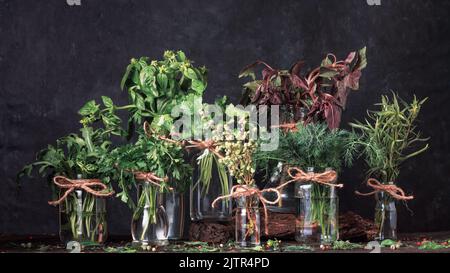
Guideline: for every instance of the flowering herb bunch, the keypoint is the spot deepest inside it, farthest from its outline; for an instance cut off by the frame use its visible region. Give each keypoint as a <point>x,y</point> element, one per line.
<point>238,147</point>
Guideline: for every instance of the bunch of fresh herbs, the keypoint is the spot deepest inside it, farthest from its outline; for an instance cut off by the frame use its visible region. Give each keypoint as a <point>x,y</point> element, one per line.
<point>155,87</point>
<point>389,137</point>
<point>322,91</point>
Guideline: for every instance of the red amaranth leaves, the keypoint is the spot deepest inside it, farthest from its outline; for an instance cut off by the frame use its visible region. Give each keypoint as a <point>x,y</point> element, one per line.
<point>323,91</point>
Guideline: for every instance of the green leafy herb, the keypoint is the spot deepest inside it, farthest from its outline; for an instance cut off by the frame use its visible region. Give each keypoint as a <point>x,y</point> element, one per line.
<point>297,248</point>
<point>312,145</point>
<point>155,87</point>
<point>389,135</point>
<point>346,245</point>
<point>431,245</point>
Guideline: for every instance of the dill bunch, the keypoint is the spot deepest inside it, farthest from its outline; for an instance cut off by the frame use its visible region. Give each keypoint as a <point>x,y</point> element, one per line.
<point>312,145</point>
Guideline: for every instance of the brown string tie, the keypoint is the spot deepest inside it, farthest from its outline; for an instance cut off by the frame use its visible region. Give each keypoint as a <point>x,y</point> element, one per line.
<point>151,178</point>
<point>287,127</point>
<point>239,191</point>
<point>188,144</point>
<point>209,145</point>
<point>327,178</point>
<point>87,185</point>
<point>391,189</point>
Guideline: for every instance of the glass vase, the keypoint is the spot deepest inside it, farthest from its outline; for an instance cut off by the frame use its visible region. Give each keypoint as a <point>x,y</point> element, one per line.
<point>206,188</point>
<point>150,223</point>
<point>287,203</point>
<point>317,213</point>
<point>385,217</point>
<point>175,209</point>
<point>82,218</point>
<point>247,229</point>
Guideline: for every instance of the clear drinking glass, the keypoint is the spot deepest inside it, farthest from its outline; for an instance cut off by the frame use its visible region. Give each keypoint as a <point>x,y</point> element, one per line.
<point>385,217</point>
<point>82,218</point>
<point>150,223</point>
<point>203,192</point>
<point>248,231</point>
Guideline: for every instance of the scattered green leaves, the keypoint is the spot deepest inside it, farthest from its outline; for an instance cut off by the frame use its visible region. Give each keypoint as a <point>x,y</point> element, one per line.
<point>346,245</point>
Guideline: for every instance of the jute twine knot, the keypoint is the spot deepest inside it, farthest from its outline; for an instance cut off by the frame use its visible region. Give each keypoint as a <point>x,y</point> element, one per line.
<point>239,191</point>
<point>327,178</point>
<point>391,189</point>
<point>151,178</point>
<point>287,127</point>
<point>209,145</point>
<point>92,186</point>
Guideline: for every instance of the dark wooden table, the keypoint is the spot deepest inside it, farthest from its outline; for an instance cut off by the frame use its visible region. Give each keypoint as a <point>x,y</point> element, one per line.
<point>51,244</point>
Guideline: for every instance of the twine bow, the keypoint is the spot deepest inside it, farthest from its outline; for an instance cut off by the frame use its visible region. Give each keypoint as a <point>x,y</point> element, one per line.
<point>151,178</point>
<point>239,191</point>
<point>327,178</point>
<point>87,185</point>
<point>391,189</point>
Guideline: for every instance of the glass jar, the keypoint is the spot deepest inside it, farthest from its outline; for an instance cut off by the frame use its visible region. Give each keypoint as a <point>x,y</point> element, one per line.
<point>82,218</point>
<point>247,229</point>
<point>385,217</point>
<point>317,213</point>
<point>206,188</point>
<point>175,209</point>
<point>287,203</point>
<point>149,224</point>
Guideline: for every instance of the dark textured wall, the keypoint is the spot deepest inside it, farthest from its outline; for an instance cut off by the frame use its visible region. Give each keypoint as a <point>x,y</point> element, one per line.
<point>54,57</point>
